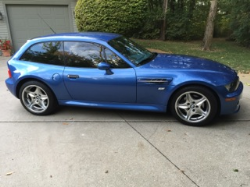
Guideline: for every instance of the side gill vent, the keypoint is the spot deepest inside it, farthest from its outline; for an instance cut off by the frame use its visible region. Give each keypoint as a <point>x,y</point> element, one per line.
<point>154,81</point>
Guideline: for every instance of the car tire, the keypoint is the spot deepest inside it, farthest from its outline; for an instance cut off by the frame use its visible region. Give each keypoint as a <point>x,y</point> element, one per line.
<point>194,105</point>
<point>37,98</point>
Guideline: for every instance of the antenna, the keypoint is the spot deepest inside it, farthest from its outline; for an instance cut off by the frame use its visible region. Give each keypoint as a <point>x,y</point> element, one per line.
<point>47,24</point>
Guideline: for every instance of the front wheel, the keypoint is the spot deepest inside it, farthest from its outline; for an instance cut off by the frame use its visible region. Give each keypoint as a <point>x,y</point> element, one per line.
<point>194,105</point>
<point>37,98</point>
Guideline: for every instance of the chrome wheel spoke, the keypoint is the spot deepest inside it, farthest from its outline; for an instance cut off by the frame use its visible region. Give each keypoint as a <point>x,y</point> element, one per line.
<point>32,94</point>
<point>31,104</point>
<point>42,104</point>
<point>44,97</point>
<point>184,106</point>
<point>199,102</point>
<point>189,115</point>
<point>38,91</point>
<point>201,112</point>
<point>189,98</point>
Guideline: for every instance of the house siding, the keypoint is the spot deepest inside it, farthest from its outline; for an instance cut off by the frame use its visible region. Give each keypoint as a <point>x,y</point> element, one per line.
<point>73,4</point>
<point>3,23</point>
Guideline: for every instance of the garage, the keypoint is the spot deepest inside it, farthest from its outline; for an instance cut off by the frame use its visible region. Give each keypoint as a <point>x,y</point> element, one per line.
<point>28,21</point>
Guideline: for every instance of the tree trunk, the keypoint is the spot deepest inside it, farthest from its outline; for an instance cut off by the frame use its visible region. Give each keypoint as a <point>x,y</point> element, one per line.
<point>163,27</point>
<point>208,36</point>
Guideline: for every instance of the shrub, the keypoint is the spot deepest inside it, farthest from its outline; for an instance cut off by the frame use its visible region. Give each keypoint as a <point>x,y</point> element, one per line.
<point>125,17</point>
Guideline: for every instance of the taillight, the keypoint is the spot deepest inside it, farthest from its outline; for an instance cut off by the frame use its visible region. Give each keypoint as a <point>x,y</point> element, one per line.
<point>9,73</point>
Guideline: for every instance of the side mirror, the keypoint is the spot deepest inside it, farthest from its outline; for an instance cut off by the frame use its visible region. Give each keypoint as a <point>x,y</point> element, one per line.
<point>105,66</point>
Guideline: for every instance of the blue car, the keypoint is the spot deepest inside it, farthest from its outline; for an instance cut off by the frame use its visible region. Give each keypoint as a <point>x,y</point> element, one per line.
<point>105,70</point>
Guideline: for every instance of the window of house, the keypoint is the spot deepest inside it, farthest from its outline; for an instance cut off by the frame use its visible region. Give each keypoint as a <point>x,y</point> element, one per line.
<point>46,52</point>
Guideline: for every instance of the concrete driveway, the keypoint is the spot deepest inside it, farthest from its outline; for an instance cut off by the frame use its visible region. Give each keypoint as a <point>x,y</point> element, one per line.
<point>78,147</point>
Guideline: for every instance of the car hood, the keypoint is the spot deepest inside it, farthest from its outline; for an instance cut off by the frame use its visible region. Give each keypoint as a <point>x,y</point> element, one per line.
<point>184,62</point>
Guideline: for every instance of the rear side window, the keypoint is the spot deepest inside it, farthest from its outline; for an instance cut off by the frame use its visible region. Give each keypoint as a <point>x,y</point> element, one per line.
<point>46,52</point>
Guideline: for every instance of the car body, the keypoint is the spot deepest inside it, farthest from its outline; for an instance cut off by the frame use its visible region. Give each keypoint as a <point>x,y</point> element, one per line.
<point>107,70</point>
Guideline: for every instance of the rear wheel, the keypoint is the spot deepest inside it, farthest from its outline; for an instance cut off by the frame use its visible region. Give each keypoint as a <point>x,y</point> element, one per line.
<point>37,98</point>
<point>194,105</point>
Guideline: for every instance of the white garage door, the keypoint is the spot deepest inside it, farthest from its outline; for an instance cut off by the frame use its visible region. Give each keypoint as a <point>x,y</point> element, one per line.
<point>28,21</point>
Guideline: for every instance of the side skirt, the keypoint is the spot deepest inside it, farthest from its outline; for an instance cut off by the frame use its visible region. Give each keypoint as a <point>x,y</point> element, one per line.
<point>122,106</point>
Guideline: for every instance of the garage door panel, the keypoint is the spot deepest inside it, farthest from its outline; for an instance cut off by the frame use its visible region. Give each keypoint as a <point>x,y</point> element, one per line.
<point>28,21</point>
<point>33,23</point>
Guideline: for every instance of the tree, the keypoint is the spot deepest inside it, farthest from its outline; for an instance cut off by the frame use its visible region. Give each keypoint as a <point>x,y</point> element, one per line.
<point>208,36</point>
<point>163,27</point>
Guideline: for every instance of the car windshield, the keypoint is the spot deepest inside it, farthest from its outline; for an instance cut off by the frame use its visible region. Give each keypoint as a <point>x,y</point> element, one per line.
<point>132,51</point>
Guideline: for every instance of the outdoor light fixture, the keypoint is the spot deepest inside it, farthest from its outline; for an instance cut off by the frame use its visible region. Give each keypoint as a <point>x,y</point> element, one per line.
<point>1,16</point>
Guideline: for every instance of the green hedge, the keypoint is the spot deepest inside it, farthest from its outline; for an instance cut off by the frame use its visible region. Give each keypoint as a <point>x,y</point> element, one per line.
<point>124,17</point>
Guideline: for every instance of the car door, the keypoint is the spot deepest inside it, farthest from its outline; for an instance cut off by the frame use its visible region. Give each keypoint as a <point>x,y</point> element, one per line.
<point>84,81</point>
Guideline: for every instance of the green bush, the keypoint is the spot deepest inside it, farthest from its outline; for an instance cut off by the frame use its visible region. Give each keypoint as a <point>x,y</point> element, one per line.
<point>125,17</point>
<point>240,22</point>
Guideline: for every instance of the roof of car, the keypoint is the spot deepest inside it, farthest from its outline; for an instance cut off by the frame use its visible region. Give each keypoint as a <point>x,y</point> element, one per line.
<point>94,35</point>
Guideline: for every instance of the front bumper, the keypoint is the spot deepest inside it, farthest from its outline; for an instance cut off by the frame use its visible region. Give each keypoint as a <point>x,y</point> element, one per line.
<point>231,103</point>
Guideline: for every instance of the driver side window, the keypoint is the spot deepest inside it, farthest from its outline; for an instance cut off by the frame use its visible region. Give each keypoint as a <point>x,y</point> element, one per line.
<point>114,60</point>
<point>83,54</point>
<point>89,55</point>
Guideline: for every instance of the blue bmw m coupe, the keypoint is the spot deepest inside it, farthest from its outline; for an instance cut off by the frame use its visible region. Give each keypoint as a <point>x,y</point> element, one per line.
<point>94,69</point>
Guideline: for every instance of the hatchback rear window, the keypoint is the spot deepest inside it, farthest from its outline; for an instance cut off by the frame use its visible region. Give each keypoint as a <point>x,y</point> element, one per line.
<point>46,52</point>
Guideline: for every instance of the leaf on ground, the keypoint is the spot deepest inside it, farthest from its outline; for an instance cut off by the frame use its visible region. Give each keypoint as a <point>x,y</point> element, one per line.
<point>65,123</point>
<point>169,130</point>
<point>9,173</point>
<point>236,170</point>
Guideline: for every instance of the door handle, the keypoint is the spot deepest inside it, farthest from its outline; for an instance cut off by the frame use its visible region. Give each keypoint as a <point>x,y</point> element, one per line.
<point>73,76</point>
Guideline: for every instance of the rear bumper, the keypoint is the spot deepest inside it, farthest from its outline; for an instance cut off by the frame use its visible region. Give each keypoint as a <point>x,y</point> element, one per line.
<point>11,86</point>
<point>231,103</point>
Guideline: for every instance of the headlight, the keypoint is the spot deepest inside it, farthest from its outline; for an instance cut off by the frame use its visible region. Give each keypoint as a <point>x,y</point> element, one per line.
<point>233,85</point>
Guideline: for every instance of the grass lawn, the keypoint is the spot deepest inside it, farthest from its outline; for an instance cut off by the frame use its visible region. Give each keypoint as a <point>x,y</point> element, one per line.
<point>228,53</point>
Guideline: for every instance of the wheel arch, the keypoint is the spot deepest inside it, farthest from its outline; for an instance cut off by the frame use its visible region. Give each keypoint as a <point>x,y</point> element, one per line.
<point>19,85</point>
<point>195,84</point>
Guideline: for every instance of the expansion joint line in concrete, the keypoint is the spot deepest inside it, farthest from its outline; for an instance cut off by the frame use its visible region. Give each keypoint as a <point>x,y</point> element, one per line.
<point>108,121</point>
<point>127,122</point>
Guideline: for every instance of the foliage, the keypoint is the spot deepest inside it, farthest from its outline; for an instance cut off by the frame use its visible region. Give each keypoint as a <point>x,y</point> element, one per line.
<point>222,26</point>
<point>151,27</point>
<point>240,21</point>
<point>186,19</point>
<point>5,45</point>
<point>222,22</point>
<point>125,17</point>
